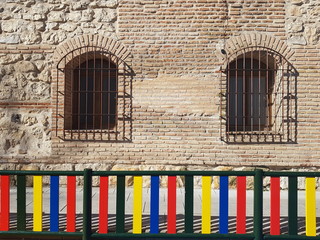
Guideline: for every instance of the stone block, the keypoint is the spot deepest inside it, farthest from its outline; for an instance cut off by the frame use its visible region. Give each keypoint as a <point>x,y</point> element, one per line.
<point>25,67</point>
<point>10,39</point>
<point>297,40</point>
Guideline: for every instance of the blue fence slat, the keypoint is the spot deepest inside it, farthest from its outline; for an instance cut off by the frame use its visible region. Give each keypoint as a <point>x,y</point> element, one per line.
<point>54,203</point>
<point>154,211</point>
<point>224,205</point>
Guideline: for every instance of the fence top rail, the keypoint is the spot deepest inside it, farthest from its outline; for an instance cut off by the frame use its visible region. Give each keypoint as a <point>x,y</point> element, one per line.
<point>42,173</point>
<point>174,236</point>
<point>130,173</point>
<point>162,173</point>
<point>173,173</point>
<point>291,174</point>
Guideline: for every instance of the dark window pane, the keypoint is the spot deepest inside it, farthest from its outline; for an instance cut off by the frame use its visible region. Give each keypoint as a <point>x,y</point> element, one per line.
<point>248,95</point>
<point>94,95</point>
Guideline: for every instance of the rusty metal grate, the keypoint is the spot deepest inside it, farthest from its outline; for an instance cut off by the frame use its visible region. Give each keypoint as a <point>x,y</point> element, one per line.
<point>94,95</point>
<point>258,97</point>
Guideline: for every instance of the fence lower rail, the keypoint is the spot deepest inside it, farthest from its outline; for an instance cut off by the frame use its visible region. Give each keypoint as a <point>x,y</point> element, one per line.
<point>174,208</point>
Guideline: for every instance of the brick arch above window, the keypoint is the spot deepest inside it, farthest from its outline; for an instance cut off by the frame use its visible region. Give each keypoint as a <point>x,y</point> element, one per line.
<point>236,43</point>
<point>108,44</point>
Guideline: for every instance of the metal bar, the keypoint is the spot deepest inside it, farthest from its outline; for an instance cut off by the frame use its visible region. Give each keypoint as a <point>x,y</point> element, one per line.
<point>236,98</point>
<point>87,204</point>
<point>41,173</point>
<point>244,94</point>
<point>288,108</point>
<point>252,91</point>
<point>79,95</point>
<point>39,234</point>
<point>259,94</point>
<point>101,96</point>
<point>120,204</point>
<point>108,96</point>
<point>292,174</point>
<point>155,173</point>
<point>173,173</point>
<point>282,101</point>
<point>116,98</point>
<point>21,203</point>
<point>290,237</point>
<point>57,101</point>
<point>94,94</point>
<point>268,87</point>
<point>258,205</point>
<point>274,75</point>
<point>188,223</point>
<point>124,101</point>
<point>65,96</point>
<point>228,102</point>
<point>70,105</point>
<point>98,68</point>
<point>221,105</point>
<point>86,105</point>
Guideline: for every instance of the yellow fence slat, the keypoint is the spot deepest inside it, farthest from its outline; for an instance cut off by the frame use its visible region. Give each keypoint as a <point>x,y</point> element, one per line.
<point>37,203</point>
<point>206,205</point>
<point>137,204</point>
<point>310,206</point>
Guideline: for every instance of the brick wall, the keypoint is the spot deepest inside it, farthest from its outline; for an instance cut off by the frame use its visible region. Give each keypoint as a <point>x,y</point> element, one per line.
<point>174,50</point>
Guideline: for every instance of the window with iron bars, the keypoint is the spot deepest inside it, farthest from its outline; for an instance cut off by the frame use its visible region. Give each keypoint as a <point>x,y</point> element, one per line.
<point>258,98</point>
<point>96,104</point>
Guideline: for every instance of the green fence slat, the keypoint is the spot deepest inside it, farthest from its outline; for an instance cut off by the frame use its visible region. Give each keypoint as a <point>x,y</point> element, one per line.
<point>258,205</point>
<point>87,204</point>
<point>120,204</point>
<point>21,203</point>
<point>188,204</point>
<point>293,206</point>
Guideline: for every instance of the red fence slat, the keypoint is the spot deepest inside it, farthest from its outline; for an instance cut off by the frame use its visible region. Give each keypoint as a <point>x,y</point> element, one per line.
<point>275,206</point>
<point>241,204</point>
<point>71,204</point>
<point>5,203</point>
<point>172,202</point>
<point>103,205</point>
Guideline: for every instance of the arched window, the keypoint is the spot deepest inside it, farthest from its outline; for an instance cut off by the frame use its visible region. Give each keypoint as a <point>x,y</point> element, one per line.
<point>258,103</point>
<point>93,100</point>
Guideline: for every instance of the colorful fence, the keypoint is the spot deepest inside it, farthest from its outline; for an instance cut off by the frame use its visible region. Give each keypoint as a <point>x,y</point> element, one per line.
<point>58,226</point>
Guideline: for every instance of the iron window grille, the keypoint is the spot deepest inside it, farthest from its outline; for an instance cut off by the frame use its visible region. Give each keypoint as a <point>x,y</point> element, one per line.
<point>258,98</point>
<point>94,95</point>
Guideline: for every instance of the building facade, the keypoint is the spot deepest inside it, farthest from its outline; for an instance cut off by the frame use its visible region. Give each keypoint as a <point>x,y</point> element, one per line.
<point>162,84</point>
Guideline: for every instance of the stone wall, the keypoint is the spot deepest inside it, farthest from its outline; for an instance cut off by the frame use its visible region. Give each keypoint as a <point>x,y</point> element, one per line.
<point>303,22</point>
<point>174,50</point>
